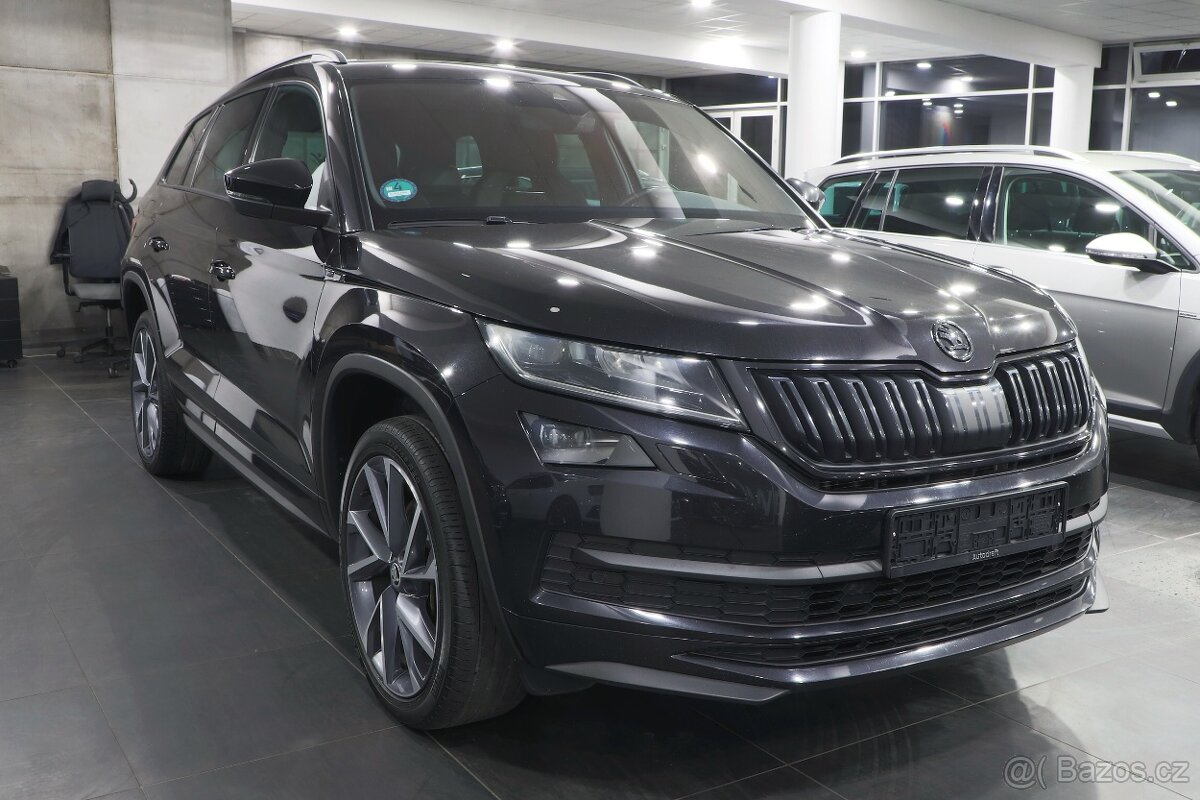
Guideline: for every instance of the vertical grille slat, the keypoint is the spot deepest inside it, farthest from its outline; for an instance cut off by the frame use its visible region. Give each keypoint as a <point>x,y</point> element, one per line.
<point>894,417</point>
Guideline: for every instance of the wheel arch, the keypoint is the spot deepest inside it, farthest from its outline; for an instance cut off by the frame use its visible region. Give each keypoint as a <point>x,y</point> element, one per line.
<point>414,388</point>
<point>135,297</point>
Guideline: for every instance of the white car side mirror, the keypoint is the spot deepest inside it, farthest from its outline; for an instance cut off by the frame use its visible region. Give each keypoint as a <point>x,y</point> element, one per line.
<point>1127,250</point>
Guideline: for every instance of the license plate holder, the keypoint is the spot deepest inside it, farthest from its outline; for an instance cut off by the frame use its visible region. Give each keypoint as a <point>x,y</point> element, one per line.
<point>951,534</point>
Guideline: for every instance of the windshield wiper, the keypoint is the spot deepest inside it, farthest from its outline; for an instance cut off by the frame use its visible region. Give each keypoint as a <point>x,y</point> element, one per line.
<point>445,223</point>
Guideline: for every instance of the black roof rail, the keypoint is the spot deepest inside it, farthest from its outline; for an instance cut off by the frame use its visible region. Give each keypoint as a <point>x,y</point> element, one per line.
<point>310,57</point>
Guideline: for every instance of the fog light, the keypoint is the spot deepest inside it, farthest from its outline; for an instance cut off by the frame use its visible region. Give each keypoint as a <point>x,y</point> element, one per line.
<point>563,443</point>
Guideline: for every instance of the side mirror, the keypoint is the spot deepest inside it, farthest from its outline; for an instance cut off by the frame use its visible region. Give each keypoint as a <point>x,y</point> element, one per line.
<point>275,188</point>
<point>1127,250</point>
<point>810,192</point>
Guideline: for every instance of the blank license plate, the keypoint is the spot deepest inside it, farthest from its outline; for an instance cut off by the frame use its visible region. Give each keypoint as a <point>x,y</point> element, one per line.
<point>937,537</point>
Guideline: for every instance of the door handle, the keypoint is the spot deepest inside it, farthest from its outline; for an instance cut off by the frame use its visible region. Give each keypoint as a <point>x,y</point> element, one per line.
<point>158,244</point>
<point>222,271</point>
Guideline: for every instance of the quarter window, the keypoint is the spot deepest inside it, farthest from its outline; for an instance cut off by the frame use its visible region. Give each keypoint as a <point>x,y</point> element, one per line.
<point>840,194</point>
<point>226,142</point>
<point>1059,213</point>
<point>176,172</point>
<point>932,201</point>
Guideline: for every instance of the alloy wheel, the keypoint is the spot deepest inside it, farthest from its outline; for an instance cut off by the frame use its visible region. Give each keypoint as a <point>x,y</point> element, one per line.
<point>391,568</point>
<point>147,405</point>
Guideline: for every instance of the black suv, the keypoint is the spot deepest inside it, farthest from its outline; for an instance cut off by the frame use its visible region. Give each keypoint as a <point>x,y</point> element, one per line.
<point>588,393</point>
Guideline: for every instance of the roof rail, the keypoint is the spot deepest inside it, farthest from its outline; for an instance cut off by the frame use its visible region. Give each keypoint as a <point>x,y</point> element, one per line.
<point>310,57</point>
<point>1148,153</point>
<point>1036,150</point>
<point>609,76</point>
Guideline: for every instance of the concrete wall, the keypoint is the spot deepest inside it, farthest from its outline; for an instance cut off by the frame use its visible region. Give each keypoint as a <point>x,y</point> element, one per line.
<point>91,89</point>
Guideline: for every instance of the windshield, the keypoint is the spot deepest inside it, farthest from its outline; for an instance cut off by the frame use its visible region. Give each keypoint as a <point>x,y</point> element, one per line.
<point>1176,190</point>
<point>467,150</point>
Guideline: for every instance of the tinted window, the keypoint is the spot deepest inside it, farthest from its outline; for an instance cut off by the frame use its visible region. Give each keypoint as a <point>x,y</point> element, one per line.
<point>858,128</point>
<point>1108,119</point>
<point>293,128</point>
<point>932,202</point>
<point>1059,213</point>
<point>549,152</point>
<point>226,142</point>
<point>870,210</point>
<point>177,170</point>
<point>840,194</point>
<point>1165,120</point>
<point>1114,66</point>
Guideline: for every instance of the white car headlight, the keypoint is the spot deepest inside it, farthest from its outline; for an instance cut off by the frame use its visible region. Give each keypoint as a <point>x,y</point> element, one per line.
<point>680,386</point>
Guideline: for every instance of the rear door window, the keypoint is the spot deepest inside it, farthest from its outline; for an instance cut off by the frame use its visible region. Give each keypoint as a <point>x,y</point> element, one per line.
<point>225,145</point>
<point>840,194</point>
<point>934,201</point>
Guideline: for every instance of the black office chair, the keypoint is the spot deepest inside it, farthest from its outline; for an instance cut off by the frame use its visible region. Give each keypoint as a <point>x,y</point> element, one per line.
<point>92,236</point>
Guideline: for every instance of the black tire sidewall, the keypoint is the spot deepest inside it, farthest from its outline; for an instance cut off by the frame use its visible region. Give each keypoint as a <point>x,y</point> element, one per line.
<point>379,441</point>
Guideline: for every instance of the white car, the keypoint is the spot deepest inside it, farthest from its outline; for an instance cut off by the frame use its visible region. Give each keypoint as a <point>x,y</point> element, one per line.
<point>1114,237</point>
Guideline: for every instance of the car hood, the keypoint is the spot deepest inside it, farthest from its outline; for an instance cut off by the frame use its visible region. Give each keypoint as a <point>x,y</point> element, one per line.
<point>719,288</point>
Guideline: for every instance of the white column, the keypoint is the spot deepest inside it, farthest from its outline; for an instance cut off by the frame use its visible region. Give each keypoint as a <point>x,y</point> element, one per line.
<point>814,109</point>
<point>1071,115</point>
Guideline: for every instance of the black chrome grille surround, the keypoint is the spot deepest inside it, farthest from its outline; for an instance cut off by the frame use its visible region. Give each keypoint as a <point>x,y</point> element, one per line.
<point>823,650</point>
<point>568,571</point>
<point>856,424</point>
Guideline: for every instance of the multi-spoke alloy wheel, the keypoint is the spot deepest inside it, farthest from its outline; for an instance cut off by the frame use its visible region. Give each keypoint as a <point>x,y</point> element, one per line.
<point>392,573</point>
<point>164,442</point>
<point>428,638</point>
<point>147,405</point>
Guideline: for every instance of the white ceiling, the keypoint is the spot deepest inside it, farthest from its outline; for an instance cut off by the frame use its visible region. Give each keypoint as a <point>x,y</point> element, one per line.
<point>1105,20</point>
<point>753,23</point>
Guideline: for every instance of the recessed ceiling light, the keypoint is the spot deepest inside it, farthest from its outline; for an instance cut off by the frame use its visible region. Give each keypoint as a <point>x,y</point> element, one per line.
<point>858,53</point>
<point>348,32</point>
<point>924,65</point>
<point>1154,95</point>
<point>958,105</point>
<point>504,45</point>
<point>1172,103</point>
<point>958,112</point>
<point>927,103</point>
<point>890,93</point>
<point>701,3</point>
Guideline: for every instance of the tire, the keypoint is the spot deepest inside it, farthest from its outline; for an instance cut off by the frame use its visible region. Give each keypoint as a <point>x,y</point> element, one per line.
<point>172,451</point>
<point>417,610</point>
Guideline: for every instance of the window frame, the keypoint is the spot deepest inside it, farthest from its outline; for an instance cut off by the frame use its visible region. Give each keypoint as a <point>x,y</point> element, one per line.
<point>1152,228</point>
<point>267,91</point>
<point>256,134</point>
<point>208,116</point>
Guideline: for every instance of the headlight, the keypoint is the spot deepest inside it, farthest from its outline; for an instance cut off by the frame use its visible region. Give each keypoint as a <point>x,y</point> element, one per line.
<point>675,385</point>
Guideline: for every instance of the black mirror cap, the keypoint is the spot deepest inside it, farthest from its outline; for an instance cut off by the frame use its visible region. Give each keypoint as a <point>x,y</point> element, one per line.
<point>274,188</point>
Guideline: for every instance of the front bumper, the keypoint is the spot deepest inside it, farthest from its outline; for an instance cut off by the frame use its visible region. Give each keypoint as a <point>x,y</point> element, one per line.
<point>715,555</point>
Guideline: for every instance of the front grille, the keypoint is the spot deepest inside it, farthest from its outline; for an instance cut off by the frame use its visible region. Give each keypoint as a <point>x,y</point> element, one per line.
<point>796,604</point>
<point>827,649</point>
<point>891,418</point>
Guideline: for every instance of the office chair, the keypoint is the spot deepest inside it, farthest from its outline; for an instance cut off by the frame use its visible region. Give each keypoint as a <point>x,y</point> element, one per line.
<point>92,236</point>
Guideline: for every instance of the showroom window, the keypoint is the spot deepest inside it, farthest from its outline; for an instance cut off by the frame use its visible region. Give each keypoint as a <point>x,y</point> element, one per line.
<point>1060,213</point>
<point>177,171</point>
<point>226,142</point>
<point>945,102</point>
<point>1147,97</point>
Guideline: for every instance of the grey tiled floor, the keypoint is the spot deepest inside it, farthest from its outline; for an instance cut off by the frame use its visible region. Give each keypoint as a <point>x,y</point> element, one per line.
<point>187,640</point>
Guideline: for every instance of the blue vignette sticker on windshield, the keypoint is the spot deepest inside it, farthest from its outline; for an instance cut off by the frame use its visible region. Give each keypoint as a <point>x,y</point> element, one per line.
<point>398,190</point>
